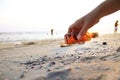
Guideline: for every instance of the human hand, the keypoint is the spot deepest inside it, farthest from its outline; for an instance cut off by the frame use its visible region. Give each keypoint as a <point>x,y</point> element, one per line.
<point>82,25</point>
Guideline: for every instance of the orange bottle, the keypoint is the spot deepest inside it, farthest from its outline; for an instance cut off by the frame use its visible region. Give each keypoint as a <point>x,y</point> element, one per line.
<point>72,38</point>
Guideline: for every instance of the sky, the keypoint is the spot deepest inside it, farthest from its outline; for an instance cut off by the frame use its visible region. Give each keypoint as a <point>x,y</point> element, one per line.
<point>42,15</point>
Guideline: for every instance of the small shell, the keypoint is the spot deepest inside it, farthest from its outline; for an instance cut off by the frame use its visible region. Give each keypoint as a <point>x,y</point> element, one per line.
<point>63,44</point>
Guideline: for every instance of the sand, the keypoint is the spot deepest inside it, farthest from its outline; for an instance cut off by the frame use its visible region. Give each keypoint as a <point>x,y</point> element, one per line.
<point>98,59</point>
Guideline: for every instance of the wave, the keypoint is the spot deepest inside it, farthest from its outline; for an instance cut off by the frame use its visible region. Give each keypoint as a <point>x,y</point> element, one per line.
<point>28,36</point>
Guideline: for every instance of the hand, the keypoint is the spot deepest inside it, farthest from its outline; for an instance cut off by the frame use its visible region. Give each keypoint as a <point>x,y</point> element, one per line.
<point>82,25</point>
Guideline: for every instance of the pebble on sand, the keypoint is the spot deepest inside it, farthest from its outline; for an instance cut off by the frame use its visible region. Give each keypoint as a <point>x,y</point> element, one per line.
<point>104,43</point>
<point>51,64</point>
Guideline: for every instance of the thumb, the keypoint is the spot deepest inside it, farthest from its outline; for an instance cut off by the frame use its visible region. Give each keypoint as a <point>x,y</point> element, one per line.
<point>81,33</point>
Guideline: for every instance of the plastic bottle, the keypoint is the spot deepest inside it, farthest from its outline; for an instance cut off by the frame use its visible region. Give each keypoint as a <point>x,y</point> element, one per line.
<point>72,38</point>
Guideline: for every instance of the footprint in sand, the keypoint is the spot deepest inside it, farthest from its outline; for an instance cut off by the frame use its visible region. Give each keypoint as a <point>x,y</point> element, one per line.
<point>57,75</point>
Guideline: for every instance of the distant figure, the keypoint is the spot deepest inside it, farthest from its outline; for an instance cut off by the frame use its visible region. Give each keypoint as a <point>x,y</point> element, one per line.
<point>51,31</point>
<point>116,26</point>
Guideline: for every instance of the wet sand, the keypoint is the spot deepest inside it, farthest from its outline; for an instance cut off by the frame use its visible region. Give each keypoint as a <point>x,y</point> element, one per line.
<point>98,59</point>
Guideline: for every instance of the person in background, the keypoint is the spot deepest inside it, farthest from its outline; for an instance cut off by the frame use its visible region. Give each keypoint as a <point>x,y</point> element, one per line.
<point>51,31</point>
<point>116,26</point>
<point>86,22</point>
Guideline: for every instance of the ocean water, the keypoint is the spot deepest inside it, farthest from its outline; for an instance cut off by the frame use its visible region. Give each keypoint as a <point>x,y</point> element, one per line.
<point>32,36</point>
<point>28,36</point>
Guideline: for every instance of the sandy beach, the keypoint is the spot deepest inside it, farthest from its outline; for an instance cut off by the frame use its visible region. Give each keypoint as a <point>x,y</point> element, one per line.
<point>98,59</point>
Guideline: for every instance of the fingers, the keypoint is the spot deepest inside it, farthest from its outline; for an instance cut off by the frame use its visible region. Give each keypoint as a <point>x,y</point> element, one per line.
<point>79,28</point>
<point>69,30</point>
<point>66,37</point>
<point>74,29</point>
<point>81,33</point>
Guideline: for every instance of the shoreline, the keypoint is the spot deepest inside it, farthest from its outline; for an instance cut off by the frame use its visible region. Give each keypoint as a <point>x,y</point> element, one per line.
<point>11,44</point>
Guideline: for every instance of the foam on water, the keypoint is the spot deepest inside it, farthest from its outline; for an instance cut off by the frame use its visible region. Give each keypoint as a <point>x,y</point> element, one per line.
<point>28,36</point>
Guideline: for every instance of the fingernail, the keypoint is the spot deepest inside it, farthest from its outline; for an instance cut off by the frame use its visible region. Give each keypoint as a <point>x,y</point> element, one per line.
<point>79,36</point>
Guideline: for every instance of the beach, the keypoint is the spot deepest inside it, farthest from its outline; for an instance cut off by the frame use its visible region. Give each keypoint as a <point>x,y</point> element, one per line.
<point>97,59</point>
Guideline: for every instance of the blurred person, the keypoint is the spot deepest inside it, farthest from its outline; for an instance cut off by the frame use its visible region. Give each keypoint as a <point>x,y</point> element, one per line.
<point>52,31</point>
<point>116,26</point>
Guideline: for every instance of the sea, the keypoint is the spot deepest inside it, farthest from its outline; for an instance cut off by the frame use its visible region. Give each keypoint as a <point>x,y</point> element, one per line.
<point>28,36</point>
<point>31,36</point>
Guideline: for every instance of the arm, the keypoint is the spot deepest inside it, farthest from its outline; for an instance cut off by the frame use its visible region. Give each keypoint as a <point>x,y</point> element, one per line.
<point>108,7</point>
<point>83,24</point>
